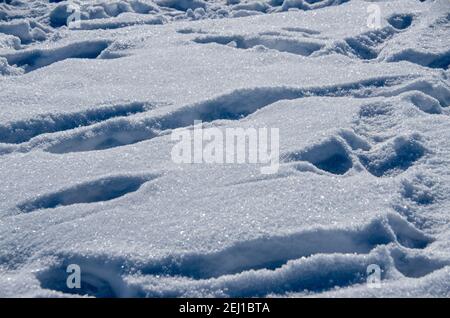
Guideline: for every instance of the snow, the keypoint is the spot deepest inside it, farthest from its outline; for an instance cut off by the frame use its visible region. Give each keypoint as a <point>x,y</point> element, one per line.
<point>87,112</point>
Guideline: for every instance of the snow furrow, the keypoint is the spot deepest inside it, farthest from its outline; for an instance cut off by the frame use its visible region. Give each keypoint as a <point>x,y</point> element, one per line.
<point>24,130</point>
<point>33,59</point>
<point>259,258</point>
<point>103,189</point>
<point>234,106</point>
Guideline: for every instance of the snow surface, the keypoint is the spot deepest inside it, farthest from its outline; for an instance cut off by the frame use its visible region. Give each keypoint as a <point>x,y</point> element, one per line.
<point>85,148</point>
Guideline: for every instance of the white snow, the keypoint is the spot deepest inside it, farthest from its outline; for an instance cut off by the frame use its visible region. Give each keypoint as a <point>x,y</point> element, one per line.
<point>87,178</point>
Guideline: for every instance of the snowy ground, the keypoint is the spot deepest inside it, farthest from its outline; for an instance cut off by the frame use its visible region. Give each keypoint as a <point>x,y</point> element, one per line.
<point>87,177</point>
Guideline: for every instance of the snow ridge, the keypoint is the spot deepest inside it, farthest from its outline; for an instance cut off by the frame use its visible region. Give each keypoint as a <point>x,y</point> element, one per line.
<point>87,112</point>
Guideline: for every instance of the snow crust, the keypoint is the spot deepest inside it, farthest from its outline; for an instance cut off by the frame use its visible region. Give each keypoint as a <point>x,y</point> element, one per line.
<point>86,115</point>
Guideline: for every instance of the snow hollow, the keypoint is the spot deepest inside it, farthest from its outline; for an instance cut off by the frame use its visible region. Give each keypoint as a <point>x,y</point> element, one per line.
<point>316,159</point>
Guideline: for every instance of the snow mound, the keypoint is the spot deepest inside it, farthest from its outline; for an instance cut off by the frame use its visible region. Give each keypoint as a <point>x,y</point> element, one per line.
<point>93,93</point>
